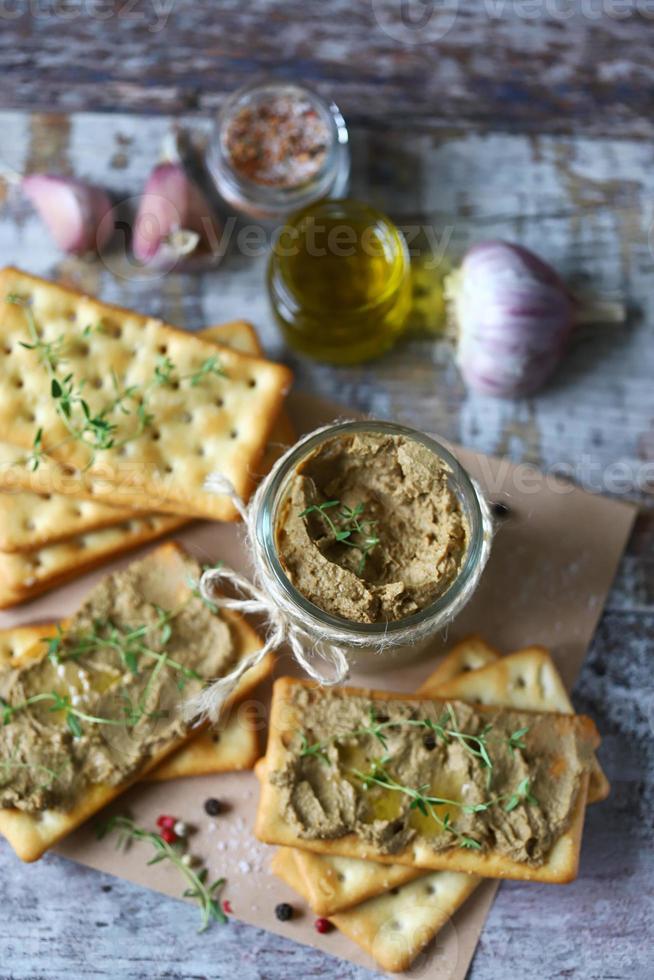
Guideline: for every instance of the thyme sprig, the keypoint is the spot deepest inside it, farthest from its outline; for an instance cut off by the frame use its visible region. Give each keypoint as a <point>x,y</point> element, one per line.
<point>446,729</point>
<point>99,430</point>
<point>198,886</point>
<point>73,715</point>
<point>130,646</point>
<point>516,740</point>
<point>348,527</point>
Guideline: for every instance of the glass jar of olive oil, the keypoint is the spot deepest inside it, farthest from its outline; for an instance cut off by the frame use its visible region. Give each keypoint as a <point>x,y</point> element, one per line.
<point>339,281</point>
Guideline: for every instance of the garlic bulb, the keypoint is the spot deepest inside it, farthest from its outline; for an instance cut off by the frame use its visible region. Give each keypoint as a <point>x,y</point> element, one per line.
<point>174,218</point>
<point>71,210</point>
<point>513,315</point>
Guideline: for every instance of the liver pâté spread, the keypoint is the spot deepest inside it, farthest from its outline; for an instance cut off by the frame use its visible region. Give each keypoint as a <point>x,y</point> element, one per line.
<point>105,697</point>
<point>370,530</point>
<point>488,779</point>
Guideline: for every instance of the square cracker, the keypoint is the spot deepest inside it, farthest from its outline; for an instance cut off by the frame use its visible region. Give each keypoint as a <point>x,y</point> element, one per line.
<point>469,654</point>
<point>30,520</point>
<point>26,575</point>
<point>333,883</point>
<point>31,834</point>
<point>234,745</point>
<point>394,927</point>
<point>222,422</point>
<point>561,865</point>
<point>242,336</point>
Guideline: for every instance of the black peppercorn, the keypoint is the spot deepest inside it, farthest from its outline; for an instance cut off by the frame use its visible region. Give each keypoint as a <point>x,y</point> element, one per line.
<point>429,742</point>
<point>213,807</point>
<point>284,911</point>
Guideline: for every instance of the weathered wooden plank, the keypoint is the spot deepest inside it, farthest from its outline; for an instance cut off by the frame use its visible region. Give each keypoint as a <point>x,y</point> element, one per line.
<point>580,66</point>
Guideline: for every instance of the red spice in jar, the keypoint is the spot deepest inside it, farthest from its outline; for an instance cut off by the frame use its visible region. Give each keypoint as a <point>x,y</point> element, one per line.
<point>278,141</point>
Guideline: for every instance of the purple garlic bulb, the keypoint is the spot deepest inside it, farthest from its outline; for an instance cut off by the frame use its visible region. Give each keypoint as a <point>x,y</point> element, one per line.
<point>514,316</point>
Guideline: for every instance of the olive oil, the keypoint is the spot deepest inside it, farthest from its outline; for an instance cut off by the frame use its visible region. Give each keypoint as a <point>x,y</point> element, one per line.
<point>446,786</point>
<point>339,282</point>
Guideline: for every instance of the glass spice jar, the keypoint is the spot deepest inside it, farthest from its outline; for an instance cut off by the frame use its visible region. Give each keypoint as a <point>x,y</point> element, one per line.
<point>277,147</point>
<point>371,645</point>
<point>339,281</point>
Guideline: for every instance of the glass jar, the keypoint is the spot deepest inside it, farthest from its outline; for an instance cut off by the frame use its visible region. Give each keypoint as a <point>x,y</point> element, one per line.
<point>339,281</point>
<point>372,645</point>
<point>277,147</point>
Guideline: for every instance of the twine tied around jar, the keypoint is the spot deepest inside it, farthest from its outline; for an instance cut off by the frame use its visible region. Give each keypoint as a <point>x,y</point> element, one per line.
<point>280,627</point>
<point>265,596</point>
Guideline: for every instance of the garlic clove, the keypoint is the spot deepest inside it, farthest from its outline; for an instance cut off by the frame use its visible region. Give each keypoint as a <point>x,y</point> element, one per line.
<point>513,315</point>
<point>174,218</point>
<point>71,210</point>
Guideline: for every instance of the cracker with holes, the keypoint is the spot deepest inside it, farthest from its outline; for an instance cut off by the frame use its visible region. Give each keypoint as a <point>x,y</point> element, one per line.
<point>232,746</point>
<point>25,575</point>
<point>396,926</point>
<point>100,711</point>
<point>59,536</point>
<point>132,408</point>
<point>470,654</point>
<point>31,521</point>
<point>443,785</point>
<point>332,883</point>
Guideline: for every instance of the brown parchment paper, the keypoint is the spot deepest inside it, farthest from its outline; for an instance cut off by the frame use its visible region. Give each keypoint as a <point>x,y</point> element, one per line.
<point>551,567</point>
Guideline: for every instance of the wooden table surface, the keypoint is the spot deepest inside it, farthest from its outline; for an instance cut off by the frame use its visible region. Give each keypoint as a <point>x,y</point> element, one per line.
<point>511,120</point>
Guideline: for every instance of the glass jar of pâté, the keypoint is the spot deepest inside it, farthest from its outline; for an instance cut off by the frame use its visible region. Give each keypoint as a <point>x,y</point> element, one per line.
<point>372,537</point>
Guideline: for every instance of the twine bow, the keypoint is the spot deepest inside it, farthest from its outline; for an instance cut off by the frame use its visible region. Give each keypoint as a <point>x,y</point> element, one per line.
<point>255,598</point>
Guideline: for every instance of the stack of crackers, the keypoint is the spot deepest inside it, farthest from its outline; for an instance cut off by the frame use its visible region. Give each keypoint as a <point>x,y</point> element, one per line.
<point>393,910</point>
<point>165,573</point>
<point>65,505</point>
